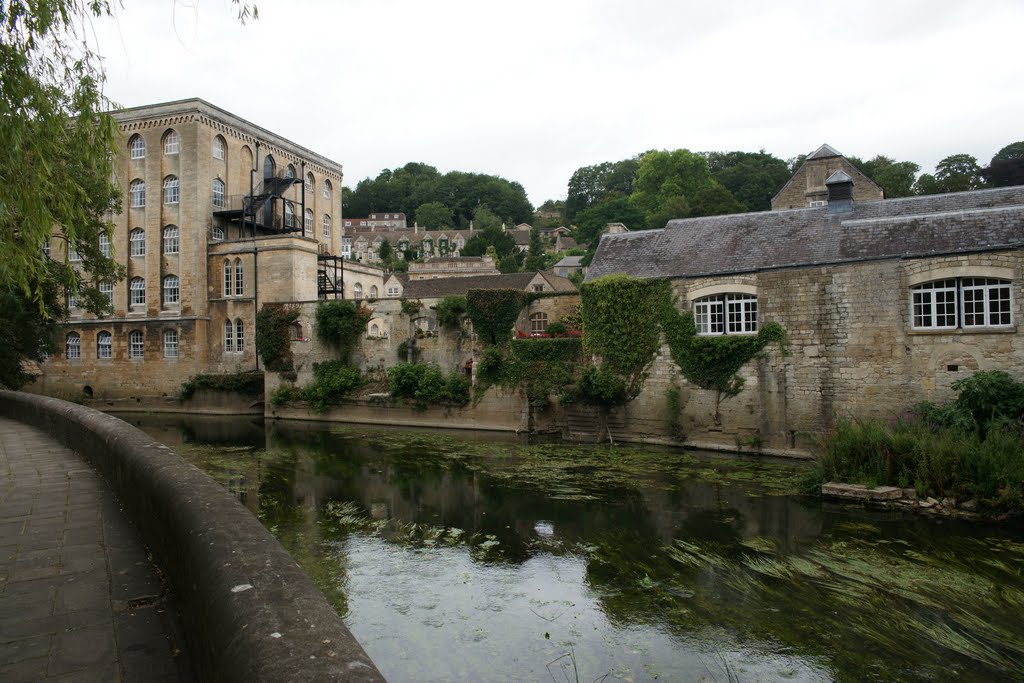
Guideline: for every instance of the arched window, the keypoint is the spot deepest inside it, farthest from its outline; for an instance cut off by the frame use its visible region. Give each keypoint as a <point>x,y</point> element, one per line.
<point>327,190</point>
<point>137,292</point>
<point>172,290</point>
<point>373,292</point>
<point>107,288</point>
<point>327,225</point>
<point>967,302</point>
<point>307,223</point>
<point>297,331</point>
<point>374,330</point>
<point>171,190</point>
<point>170,343</point>
<point>218,193</point>
<point>289,215</point>
<point>73,346</point>
<point>357,291</point>
<point>217,234</point>
<point>137,194</point>
<point>269,167</point>
<point>310,183</point>
<point>538,323</point>
<point>137,147</point>
<point>104,244</point>
<point>104,345</point>
<point>219,147</point>
<point>731,313</point>
<point>229,282</point>
<point>172,142</point>
<point>239,336</point>
<point>171,245</point>
<point>71,301</point>
<point>136,346</point>
<point>239,278</point>
<point>290,172</point>
<point>137,242</point>
<point>229,336</point>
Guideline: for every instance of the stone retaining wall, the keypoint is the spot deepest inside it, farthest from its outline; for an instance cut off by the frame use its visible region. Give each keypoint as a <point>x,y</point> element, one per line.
<point>250,613</point>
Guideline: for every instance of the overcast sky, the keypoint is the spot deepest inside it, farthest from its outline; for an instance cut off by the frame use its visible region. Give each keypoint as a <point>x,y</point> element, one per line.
<point>533,90</point>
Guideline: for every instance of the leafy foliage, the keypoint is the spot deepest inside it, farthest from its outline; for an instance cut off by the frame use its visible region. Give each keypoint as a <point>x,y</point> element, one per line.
<point>622,324</point>
<point>249,383</point>
<point>599,386</point>
<point>333,380</point>
<point>450,311</point>
<point>752,178</point>
<point>24,335</point>
<point>989,397</point>
<point>494,313</point>
<point>713,362</point>
<point>590,185</point>
<point>543,367</point>
<point>425,385</point>
<point>434,215</point>
<point>273,335</point>
<point>340,324</point>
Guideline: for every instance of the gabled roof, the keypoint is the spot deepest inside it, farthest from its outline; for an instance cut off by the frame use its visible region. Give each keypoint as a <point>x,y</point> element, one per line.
<point>824,152</point>
<point>570,262</point>
<point>452,286</point>
<point>963,222</point>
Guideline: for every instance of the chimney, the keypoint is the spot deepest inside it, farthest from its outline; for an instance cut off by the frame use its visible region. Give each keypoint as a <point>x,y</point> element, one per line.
<point>840,192</point>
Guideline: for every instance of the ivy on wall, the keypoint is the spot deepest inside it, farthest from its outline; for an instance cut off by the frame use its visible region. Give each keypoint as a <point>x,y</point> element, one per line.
<point>340,323</point>
<point>543,367</point>
<point>273,336</point>
<point>494,313</point>
<point>714,362</point>
<point>450,311</point>
<point>622,322</point>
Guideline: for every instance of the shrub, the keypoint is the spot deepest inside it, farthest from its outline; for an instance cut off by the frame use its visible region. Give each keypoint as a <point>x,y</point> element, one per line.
<point>991,395</point>
<point>340,324</point>
<point>333,381</point>
<point>598,387</point>
<point>249,383</point>
<point>450,311</point>
<point>557,329</point>
<point>426,385</point>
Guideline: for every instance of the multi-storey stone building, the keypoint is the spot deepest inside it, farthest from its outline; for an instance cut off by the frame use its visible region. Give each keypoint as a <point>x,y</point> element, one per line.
<point>219,217</point>
<point>807,186</point>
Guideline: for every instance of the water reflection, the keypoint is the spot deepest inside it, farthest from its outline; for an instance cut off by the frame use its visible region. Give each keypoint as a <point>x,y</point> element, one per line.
<point>478,557</point>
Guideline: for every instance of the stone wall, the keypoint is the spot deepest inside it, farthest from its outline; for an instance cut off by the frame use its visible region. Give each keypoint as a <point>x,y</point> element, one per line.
<point>808,184</point>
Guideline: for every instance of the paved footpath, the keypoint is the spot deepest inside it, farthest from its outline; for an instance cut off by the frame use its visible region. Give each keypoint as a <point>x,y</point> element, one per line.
<point>79,600</point>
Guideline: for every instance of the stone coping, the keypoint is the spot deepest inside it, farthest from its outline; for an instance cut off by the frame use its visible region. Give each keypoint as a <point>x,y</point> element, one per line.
<point>249,611</point>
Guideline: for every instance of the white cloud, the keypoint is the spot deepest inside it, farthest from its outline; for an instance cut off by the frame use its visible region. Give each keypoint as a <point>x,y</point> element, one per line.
<point>533,90</point>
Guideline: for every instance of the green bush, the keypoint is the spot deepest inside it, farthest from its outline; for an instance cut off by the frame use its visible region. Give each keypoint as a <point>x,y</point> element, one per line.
<point>273,336</point>
<point>425,385</point>
<point>598,387</point>
<point>989,396</point>
<point>450,311</point>
<point>249,383</point>
<point>557,329</point>
<point>332,381</point>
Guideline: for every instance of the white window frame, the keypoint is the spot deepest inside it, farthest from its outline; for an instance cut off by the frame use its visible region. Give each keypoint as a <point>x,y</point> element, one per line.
<point>170,343</point>
<point>538,322</point>
<point>137,242</point>
<point>310,183</point>
<point>137,194</point>
<point>73,346</point>
<point>289,215</point>
<point>172,290</point>
<point>172,142</point>
<point>218,193</point>
<point>327,225</point>
<point>172,190</point>
<point>357,291</point>
<point>137,147</point>
<point>393,292</point>
<point>217,234</point>
<point>137,292</point>
<point>729,313</point>
<point>218,147</point>
<point>136,344</point>
<point>239,336</point>
<point>104,345</point>
<point>172,243</point>
<point>73,254</point>
<point>105,244</point>
<point>326,191</point>
<point>957,303</point>
<point>229,336</point>
<point>307,222</point>
<point>239,278</point>
<point>108,289</point>
<point>229,279</point>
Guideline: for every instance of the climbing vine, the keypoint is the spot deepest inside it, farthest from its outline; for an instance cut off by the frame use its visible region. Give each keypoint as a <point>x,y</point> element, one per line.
<point>450,311</point>
<point>494,313</point>
<point>622,321</point>
<point>714,362</point>
<point>340,324</point>
<point>543,367</point>
<point>273,335</point>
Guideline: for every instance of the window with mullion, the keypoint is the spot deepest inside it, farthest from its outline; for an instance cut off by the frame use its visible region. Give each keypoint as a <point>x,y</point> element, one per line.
<point>985,302</point>
<point>707,315</point>
<point>934,305</point>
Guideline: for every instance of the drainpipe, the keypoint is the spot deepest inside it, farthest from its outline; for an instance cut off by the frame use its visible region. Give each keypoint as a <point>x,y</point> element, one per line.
<point>252,189</point>
<point>303,171</point>
<point>255,295</point>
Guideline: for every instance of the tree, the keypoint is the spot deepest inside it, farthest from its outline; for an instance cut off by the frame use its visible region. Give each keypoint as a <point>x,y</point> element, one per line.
<point>590,222</point>
<point>896,178</point>
<point>384,251</point>
<point>434,215</point>
<point>1007,166</point>
<point>489,235</point>
<point>959,173</point>
<point>664,176</point>
<point>714,201</point>
<point>591,184</point>
<point>535,259</point>
<point>752,178</point>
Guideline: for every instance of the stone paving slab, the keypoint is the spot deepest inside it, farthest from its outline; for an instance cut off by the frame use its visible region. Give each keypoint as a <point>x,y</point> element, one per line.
<point>79,599</point>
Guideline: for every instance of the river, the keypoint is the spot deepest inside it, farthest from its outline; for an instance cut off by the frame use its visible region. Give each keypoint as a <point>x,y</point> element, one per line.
<point>457,556</point>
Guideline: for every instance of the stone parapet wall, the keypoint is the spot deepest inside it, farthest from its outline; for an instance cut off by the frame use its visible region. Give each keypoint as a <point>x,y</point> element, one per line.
<point>249,612</point>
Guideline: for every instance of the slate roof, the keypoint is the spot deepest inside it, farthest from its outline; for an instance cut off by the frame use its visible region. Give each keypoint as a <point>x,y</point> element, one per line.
<point>983,220</point>
<point>570,262</point>
<point>451,286</point>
